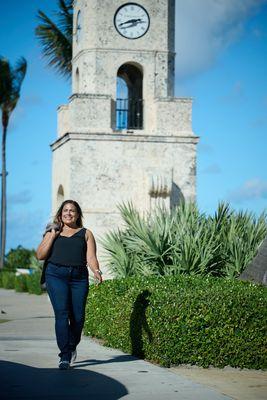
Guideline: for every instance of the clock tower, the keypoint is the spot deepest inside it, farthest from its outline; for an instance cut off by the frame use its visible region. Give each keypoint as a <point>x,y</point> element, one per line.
<point>123,136</point>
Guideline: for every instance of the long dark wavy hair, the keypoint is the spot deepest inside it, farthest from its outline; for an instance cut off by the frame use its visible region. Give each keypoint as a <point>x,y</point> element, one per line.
<point>58,220</point>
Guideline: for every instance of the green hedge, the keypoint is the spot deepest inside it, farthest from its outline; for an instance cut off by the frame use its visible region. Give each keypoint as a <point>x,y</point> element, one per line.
<point>184,319</point>
<point>21,283</point>
<point>33,283</point>
<point>7,280</point>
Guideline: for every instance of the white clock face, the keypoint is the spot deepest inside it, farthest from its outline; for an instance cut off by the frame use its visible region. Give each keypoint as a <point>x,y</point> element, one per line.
<point>131,20</point>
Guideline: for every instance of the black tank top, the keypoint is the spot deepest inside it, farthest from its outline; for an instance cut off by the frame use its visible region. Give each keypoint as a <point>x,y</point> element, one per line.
<point>69,251</point>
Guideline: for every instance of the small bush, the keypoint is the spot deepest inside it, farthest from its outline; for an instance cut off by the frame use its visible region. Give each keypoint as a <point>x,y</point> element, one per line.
<point>33,283</point>
<point>182,319</point>
<point>19,257</point>
<point>8,279</point>
<point>21,283</point>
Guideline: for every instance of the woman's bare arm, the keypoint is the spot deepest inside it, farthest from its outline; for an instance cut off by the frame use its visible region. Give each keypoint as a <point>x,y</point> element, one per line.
<point>44,247</point>
<point>91,257</point>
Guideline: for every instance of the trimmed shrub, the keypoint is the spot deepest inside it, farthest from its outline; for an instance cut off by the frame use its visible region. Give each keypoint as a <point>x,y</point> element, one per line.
<point>19,257</point>
<point>8,279</point>
<point>182,319</point>
<point>33,283</point>
<point>21,283</point>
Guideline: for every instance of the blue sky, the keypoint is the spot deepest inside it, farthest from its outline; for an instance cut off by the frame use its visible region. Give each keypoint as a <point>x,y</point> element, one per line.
<point>221,62</point>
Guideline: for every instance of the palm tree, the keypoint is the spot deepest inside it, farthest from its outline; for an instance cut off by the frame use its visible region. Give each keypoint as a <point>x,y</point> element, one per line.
<point>56,39</point>
<point>10,84</point>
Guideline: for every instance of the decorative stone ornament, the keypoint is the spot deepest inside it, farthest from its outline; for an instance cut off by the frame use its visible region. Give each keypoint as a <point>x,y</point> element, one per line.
<point>131,20</point>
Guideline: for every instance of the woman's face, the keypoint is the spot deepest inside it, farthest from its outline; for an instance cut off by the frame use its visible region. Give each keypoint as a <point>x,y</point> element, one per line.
<point>69,214</point>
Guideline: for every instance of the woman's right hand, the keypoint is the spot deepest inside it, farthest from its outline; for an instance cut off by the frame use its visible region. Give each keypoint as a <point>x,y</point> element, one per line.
<point>44,247</point>
<point>54,233</point>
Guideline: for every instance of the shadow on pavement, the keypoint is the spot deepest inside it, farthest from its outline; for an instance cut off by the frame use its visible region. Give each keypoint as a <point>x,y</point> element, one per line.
<point>20,381</point>
<point>93,361</point>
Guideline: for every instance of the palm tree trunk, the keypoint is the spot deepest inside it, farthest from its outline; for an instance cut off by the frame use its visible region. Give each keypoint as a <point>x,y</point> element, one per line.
<point>3,197</point>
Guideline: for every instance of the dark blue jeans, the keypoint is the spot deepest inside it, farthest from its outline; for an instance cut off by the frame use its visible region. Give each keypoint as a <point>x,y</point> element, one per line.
<point>67,288</point>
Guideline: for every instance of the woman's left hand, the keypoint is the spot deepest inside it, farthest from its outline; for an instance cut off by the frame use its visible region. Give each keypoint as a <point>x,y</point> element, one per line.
<point>98,276</point>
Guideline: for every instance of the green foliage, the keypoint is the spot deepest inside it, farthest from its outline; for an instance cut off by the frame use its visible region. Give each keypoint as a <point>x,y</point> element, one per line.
<point>35,264</point>
<point>33,283</point>
<point>182,319</point>
<point>7,279</point>
<point>21,283</point>
<point>11,79</point>
<point>184,241</point>
<point>56,37</point>
<point>19,258</point>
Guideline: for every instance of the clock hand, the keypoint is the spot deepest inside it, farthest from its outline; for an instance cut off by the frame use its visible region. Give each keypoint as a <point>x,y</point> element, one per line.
<point>132,22</point>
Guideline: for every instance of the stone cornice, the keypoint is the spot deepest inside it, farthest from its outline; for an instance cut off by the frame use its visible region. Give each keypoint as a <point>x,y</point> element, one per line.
<point>123,137</point>
<point>111,49</point>
<point>89,96</point>
<point>173,99</point>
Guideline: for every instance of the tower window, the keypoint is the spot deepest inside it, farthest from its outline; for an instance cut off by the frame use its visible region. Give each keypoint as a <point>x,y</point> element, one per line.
<point>129,98</point>
<point>60,195</point>
<point>77,80</point>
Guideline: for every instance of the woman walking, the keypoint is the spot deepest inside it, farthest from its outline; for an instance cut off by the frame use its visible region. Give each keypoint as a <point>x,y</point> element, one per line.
<point>68,249</point>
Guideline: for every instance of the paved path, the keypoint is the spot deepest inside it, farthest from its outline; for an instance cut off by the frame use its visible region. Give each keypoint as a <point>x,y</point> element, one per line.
<point>29,360</point>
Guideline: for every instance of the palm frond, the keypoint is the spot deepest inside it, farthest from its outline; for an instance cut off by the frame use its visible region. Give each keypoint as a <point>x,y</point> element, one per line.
<point>56,40</point>
<point>19,73</point>
<point>10,85</point>
<point>5,79</point>
<point>65,17</point>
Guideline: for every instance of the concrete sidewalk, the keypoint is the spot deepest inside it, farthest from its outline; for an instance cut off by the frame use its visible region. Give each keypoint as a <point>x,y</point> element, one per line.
<point>29,360</point>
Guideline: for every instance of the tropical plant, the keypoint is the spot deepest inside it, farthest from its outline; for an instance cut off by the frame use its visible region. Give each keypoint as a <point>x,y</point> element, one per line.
<point>183,241</point>
<point>20,257</point>
<point>10,85</point>
<point>56,38</point>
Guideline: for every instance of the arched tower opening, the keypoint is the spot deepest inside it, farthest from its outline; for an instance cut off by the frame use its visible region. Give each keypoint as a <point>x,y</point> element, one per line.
<point>129,101</point>
<point>77,80</point>
<point>60,195</point>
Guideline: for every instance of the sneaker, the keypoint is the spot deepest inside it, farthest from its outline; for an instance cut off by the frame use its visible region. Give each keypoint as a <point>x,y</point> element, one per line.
<point>63,364</point>
<point>73,356</point>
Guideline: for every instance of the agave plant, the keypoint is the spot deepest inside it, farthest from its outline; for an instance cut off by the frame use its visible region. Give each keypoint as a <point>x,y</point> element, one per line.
<point>244,237</point>
<point>121,262</point>
<point>184,241</point>
<point>148,237</point>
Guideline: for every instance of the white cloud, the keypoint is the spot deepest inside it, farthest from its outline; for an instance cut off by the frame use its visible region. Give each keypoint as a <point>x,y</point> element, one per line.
<point>32,99</point>
<point>252,189</point>
<point>204,28</point>
<point>23,197</point>
<point>236,93</point>
<point>204,148</point>
<point>212,169</point>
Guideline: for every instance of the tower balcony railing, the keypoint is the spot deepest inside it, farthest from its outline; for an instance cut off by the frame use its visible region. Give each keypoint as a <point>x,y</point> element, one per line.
<point>129,113</point>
